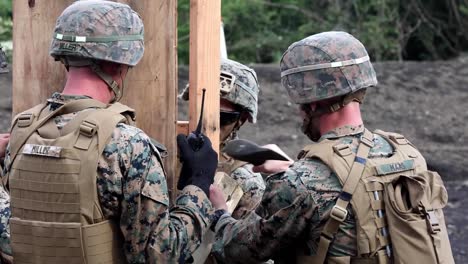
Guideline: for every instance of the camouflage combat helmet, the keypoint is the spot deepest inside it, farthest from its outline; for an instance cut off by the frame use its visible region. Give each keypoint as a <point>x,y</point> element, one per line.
<point>324,66</point>
<point>238,85</point>
<point>96,30</point>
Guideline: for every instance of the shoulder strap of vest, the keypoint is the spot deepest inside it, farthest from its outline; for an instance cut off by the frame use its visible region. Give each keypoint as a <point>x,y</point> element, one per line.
<point>126,111</point>
<point>24,119</point>
<point>327,151</point>
<point>30,126</point>
<point>405,147</point>
<point>339,211</point>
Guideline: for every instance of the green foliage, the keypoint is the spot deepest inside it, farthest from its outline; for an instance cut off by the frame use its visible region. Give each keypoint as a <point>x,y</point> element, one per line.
<point>260,30</point>
<point>6,24</point>
<point>6,27</point>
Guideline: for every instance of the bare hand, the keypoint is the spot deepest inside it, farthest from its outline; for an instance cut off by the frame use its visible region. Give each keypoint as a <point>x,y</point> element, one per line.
<point>217,198</point>
<point>273,166</point>
<point>4,139</point>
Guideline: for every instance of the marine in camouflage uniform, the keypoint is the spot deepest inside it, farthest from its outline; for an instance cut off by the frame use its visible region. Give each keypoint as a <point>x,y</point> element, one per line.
<point>328,70</point>
<point>239,88</point>
<point>131,183</point>
<point>4,197</point>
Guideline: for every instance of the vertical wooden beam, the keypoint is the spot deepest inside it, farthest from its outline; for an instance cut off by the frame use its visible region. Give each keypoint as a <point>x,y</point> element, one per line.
<point>150,89</point>
<point>35,74</point>
<point>205,21</point>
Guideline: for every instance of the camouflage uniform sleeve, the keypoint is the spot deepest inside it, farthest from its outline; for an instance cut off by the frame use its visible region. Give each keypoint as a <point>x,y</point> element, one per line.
<point>252,185</point>
<point>4,221</point>
<point>284,213</point>
<point>5,212</point>
<point>133,189</point>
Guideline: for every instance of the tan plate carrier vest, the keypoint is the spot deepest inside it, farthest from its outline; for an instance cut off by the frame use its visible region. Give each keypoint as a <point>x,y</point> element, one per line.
<point>56,215</point>
<point>396,201</point>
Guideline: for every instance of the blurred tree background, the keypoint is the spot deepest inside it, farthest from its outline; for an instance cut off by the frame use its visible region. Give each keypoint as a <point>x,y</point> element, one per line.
<point>260,30</point>
<point>6,26</point>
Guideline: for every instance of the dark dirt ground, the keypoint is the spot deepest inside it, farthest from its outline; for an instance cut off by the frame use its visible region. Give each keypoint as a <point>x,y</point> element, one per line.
<point>425,101</point>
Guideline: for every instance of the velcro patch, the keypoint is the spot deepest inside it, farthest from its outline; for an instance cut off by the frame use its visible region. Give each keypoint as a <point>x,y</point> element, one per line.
<point>42,150</point>
<point>395,167</point>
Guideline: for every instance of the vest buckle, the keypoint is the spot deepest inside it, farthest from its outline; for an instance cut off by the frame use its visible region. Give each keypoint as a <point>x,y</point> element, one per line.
<point>25,120</point>
<point>399,139</point>
<point>339,213</point>
<point>342,149</point>
<point>367,141</point>
<point>88,129</point>
<point>432,221</point>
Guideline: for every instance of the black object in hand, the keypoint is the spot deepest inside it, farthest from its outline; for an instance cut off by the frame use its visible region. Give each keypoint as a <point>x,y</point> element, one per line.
<point>248,151</point>
<point>195,141</point>
<point>198,166</point>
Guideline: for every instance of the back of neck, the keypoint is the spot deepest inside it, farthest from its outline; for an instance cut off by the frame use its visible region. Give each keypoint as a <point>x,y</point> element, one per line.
<point>82,81</point>
<point>349,115</point>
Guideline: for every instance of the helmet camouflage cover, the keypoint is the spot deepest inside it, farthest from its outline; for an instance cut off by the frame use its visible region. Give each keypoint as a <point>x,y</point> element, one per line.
<point>326,65</point>
<point>99,30</point>
<point>238,85</point>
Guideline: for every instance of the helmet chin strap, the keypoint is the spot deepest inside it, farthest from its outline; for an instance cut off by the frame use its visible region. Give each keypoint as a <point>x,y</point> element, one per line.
<point>357,96</point>
<point>233,133</point>
<point>111,83</point>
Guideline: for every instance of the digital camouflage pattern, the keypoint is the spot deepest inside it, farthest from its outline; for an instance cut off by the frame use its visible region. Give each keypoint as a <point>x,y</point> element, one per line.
<point>4,221</point>
<point>252,185</point>
<point>132,189</point>
<point>245,90</point>
<point>95,18</point>
<point>328,47</point>
<point>293,211</point>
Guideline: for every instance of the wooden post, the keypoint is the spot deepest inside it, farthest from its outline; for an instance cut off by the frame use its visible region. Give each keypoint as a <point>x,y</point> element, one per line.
<point>35,74</point>
<point>150,88</point>
<point>205,21</point>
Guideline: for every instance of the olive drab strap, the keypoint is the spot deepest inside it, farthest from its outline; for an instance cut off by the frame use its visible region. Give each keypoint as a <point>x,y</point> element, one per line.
<point>339,211</point>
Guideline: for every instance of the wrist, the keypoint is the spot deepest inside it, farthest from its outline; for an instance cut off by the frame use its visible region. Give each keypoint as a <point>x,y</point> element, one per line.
<point>216,216</point>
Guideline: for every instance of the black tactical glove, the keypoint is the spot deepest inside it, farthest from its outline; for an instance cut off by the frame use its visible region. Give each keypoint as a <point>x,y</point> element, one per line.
<point>198,167</point>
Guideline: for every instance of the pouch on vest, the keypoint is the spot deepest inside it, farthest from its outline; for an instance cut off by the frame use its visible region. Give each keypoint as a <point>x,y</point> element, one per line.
<point>397,204</point>
<point>56,215</point>
<point>413,206</point>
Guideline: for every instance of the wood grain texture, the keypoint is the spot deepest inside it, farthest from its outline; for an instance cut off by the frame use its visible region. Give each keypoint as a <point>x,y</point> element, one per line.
<point>205,21</point>
<point>150,87</point>
<point>35,74</point>
<point>183,127</point>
